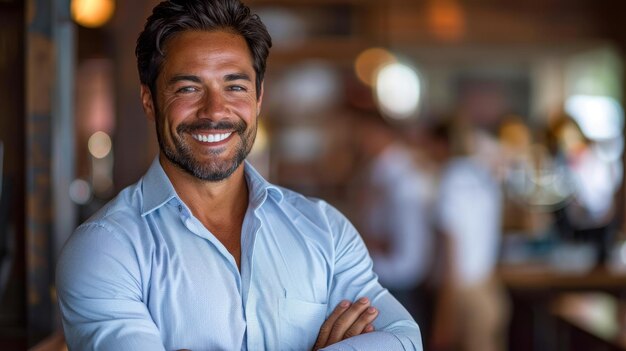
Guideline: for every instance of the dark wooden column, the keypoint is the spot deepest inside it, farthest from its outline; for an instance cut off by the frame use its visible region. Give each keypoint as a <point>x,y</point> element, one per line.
<point>40,51</point>
<point>12,178</point>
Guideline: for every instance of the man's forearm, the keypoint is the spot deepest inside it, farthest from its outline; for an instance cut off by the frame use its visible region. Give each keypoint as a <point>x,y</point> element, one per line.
<point>379,340</point>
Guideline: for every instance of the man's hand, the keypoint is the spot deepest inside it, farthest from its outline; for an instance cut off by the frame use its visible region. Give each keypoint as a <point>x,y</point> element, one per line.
<point>347,320</point>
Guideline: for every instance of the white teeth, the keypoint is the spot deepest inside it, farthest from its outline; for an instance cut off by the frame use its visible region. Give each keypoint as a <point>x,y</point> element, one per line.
<point>211,138</point>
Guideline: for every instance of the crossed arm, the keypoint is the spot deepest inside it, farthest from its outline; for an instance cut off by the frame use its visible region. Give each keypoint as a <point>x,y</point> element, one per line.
<point>347,320</point>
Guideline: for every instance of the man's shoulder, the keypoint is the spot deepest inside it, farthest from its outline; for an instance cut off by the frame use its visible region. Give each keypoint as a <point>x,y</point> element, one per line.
<point>120,214</point>
<point>302,203</point>
<point>315,210</point>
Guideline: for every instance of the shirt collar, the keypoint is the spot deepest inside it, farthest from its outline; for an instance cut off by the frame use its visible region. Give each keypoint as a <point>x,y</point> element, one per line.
<point>259,188</point>
<point>158,190</point>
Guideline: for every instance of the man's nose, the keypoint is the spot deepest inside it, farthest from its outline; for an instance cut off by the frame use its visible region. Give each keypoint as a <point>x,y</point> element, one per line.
<point>214,105</point>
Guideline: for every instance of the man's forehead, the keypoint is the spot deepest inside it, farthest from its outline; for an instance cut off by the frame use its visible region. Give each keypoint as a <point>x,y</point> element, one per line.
<point>195,44</point>
<point>208,37</point>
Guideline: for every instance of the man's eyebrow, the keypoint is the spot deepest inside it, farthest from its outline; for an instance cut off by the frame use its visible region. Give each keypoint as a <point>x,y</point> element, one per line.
<point>182,77</point>
<point>236,76</point>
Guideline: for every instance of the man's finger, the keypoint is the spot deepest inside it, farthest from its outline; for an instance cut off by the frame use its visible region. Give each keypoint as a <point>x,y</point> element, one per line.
<point>326,328</point>
<point>345,321</point>
<point>360,325</point>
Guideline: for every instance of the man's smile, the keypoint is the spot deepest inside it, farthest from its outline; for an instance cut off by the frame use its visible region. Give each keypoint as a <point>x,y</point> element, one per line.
<point>211,137</point>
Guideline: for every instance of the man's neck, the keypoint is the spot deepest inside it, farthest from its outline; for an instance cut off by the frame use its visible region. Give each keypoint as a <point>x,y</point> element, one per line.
<point>220,206</point>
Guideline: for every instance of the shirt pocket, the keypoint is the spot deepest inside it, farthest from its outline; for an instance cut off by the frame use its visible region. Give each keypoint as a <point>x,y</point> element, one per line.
<point>299,323</point>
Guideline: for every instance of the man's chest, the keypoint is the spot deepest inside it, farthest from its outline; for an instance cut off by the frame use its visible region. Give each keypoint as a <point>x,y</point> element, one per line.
<point>277,300</point>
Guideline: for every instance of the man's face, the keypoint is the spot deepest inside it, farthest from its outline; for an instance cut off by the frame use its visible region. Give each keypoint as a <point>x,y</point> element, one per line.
<point>205,106</point>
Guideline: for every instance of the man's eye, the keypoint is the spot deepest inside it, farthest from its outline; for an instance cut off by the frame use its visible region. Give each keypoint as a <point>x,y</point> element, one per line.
<point>186,90</point>
<point>236,88</point>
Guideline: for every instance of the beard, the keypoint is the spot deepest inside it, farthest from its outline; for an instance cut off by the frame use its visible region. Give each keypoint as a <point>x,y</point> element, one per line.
<point>216,169</point>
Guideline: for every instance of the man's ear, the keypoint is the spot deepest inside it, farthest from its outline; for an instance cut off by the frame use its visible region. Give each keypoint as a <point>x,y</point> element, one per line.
<point>147,102</point>
<point>259,101</point>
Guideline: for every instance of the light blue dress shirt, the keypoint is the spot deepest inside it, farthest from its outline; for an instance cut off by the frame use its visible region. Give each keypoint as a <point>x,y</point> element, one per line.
<point>145,274</point>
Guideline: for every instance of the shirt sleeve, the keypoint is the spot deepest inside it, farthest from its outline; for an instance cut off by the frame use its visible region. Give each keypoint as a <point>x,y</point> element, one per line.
<point>353,278</point>
<point>99,290</point>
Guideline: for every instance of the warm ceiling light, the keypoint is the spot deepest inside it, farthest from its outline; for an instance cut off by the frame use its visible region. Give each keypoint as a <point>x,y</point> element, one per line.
<point>369,61</point>
<point>92,13</point>
<point>446,19</point>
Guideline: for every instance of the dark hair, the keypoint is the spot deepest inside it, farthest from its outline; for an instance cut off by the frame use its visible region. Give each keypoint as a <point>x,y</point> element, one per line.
<point>555,126</point>
<point>174,16</point>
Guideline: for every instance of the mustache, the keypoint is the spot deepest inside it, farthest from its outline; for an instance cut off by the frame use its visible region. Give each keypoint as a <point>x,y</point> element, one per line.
<point>239,126</point>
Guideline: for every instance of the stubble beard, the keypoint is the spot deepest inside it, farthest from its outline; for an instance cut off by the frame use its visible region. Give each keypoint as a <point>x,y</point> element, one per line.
<point>216,169</point>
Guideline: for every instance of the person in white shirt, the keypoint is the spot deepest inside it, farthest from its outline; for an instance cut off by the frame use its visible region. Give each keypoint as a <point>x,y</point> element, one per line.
<point>471,308</point>
<point>393,220</point>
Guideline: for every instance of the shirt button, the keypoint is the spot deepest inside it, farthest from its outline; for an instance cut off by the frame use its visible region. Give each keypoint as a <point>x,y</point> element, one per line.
<point>180,208</point>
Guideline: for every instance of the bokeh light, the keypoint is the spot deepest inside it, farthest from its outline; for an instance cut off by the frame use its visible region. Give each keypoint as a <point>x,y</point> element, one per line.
<point>369,61</point>
<point>92,13</point>
<point>398,90</point>
<point>80,191</point>
<point>446,19</point>
<point>599,117</point>
<point>99,144</point>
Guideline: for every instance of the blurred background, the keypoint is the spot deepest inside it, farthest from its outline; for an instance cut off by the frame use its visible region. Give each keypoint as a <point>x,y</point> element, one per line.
<point>527,93</point>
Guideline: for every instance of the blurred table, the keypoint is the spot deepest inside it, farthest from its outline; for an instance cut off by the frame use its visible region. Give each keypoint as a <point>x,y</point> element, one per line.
<point>533,288</point>
<point>540,276</point>
<point>588,321</point>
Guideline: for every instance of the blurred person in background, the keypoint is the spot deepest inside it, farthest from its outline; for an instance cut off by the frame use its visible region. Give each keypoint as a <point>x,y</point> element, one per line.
<point>590,213</point>
<point>393,213</point>
<point>471,309</point>
<point>203,253</point>
<point>515,139</point>
<point>528,198</point>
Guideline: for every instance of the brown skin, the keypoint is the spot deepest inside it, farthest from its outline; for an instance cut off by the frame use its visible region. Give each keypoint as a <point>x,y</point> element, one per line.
<point>347,320</point>
<point>210,76</point>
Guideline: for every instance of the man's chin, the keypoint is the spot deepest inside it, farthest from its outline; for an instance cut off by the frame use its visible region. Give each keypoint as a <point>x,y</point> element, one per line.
<point>212,166</point>
<point>214,171</point>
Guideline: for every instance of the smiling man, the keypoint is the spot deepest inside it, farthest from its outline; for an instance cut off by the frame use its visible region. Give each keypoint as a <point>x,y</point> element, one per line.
<point>203,253</point>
